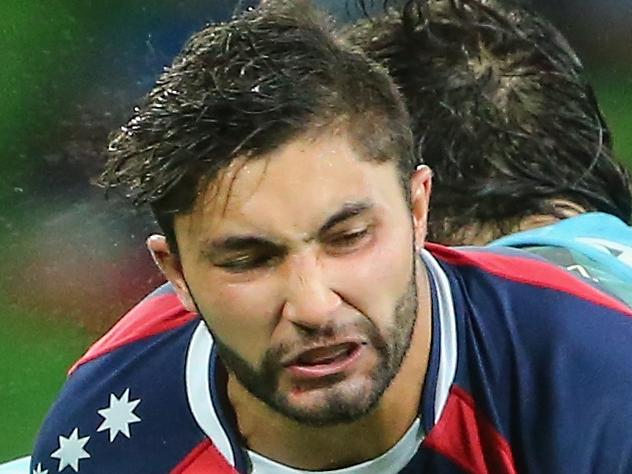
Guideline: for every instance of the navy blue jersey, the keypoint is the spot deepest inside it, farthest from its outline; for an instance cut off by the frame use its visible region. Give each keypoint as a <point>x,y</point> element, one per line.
<point>529,371</point>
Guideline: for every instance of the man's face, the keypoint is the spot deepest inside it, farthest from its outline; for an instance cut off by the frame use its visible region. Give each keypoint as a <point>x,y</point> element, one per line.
<point>302,264</point>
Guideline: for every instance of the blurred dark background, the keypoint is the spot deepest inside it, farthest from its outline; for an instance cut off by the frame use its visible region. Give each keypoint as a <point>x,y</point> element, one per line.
<point>72,261</point>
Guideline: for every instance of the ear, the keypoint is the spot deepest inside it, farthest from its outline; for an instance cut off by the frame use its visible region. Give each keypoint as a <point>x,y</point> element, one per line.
<point>420,188</point>
<point>170,266</point>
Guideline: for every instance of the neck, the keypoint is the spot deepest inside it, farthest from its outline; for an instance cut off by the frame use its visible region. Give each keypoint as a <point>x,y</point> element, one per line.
<point>286,441</point>
<point>562,209</point>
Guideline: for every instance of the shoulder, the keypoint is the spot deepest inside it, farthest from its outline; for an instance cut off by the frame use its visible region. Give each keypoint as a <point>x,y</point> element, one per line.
<point>125,406</point>
<point>522,302</point>
<point>603,239</point>
<point>595,246</point>
<point>541,352</point>
<point>510,272</point>
<point>158,313</point>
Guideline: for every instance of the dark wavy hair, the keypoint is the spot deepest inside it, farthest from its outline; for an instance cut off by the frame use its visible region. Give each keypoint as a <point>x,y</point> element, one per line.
<point>244,88</point>
<point>501,111</point>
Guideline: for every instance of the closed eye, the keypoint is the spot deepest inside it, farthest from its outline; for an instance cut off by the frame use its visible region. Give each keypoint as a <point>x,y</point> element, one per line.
<point>243,263</point>
<point>348,241</point>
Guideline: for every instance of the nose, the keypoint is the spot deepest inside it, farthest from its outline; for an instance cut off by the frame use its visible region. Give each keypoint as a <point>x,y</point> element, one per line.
<point>310,301</point>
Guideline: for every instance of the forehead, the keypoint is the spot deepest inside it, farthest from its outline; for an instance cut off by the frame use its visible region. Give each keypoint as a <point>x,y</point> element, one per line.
<point>295,188</point>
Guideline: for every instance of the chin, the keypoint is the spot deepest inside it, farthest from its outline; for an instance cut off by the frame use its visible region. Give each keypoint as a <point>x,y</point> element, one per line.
<point>344,401</point>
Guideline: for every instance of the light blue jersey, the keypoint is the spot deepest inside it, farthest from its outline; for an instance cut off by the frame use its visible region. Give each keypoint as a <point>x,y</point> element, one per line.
<point>595,245</point>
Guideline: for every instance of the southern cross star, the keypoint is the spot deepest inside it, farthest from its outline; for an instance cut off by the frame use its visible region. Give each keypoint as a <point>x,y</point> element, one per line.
<point>119,415</point>
<point>71,451</point>
<point>38,469</point>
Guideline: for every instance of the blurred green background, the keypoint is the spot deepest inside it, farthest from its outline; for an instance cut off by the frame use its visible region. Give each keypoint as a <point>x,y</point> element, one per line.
<point>72,262</point>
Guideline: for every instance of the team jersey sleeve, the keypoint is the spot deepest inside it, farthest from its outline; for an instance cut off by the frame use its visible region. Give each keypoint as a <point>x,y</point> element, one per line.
<point>124,407</point>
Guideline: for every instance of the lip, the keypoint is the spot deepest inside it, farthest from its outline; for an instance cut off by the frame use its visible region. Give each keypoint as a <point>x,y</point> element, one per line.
<point>292,357</point>
<point>337,365</point>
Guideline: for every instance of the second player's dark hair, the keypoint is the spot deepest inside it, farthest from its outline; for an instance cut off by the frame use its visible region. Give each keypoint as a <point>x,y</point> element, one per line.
<point>502,112</point>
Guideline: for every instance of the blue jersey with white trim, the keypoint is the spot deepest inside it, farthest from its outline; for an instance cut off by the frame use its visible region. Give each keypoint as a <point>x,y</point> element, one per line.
<point>596,246</point>
<point>529,371</point>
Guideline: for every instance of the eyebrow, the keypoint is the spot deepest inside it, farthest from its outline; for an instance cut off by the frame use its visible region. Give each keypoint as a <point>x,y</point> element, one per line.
<point>349,210</point>
<point>236,243</point>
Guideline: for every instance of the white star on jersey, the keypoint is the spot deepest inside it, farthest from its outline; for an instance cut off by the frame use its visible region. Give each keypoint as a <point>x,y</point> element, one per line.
<point>38,469</point>
<point>71,451</point>
<point>119,415</point>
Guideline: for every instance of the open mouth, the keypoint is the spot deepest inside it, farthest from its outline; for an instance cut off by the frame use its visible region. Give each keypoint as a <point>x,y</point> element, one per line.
<point>325,361</point>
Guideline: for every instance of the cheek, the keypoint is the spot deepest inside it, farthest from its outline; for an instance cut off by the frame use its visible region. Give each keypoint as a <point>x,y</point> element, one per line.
<point>377,278</point>
<point>242,316</point>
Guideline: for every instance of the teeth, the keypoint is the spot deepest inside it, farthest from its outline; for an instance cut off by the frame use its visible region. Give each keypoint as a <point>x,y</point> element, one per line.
<point>324,355</point>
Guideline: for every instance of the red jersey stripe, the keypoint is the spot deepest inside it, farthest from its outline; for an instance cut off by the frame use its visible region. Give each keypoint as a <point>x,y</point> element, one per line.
<point>204,459</point>
<point>468,439</point>
<point>530,271</point>
<point>150,317</point>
